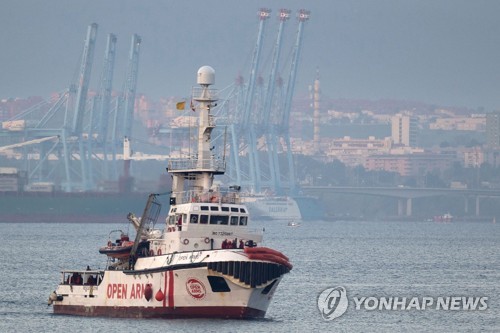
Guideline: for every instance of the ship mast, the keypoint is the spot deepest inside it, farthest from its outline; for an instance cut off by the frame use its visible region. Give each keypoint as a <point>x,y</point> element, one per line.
<point>202,167</point>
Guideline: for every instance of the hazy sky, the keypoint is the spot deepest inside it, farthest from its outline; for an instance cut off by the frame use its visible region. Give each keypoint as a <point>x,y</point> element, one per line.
<point>445,52</point>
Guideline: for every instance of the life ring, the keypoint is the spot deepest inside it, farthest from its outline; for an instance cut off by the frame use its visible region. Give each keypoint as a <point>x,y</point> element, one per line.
<point>207,240</point>
<point>109,243</point>
<point>186,241</point>
<point>158,252</point>
<point>151,253</point>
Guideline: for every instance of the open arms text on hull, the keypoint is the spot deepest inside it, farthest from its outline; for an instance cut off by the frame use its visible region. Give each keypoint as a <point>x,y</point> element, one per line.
<point>205,262</point>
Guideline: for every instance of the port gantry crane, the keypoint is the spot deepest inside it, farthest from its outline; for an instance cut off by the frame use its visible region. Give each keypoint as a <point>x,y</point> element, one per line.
<point>270,119</point>
<point>302,16</point>
<point>267,126</point>
<point>81,99</point>
<point>127,100</point>
<point>80,123</point>
<point>106,87</point>
<point>131,85</point>
<point>248,122</point>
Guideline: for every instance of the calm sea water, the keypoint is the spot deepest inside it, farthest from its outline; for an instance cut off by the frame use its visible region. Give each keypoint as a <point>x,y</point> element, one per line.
<point>402,259</point>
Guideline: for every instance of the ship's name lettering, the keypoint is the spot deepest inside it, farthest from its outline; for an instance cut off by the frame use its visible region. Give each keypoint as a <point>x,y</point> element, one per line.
<point>221,233</point>
<point>190,256</point>
<point>125,291</point>
<point>94,288</point>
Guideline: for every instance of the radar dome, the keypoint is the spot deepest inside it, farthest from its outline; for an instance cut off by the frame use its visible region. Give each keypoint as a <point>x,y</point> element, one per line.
<point>206,75</point>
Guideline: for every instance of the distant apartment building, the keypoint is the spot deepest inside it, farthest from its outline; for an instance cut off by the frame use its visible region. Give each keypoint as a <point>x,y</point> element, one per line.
<point>475,122</point>
<point>409,164</point>
<point>473,157</point>
<point>353,152</point>
<point>404,130</point>
<point>493,130</point>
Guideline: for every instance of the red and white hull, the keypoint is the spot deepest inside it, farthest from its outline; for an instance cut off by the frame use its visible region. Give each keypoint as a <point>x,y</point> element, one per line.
<point>234,288</point>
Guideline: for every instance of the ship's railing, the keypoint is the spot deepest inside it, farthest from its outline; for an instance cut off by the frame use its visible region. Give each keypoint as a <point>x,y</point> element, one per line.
<point>228,195</point>
<point>187,164</point>
<point>205,94</point>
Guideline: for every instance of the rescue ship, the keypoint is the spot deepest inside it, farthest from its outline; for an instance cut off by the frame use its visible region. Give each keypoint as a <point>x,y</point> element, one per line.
<point>205,262</point>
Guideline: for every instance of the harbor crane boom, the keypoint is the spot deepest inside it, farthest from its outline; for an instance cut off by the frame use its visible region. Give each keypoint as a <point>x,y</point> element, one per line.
<point>30,142</point>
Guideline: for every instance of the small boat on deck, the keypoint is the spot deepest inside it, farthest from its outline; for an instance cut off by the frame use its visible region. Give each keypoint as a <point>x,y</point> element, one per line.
<point>119,249</point>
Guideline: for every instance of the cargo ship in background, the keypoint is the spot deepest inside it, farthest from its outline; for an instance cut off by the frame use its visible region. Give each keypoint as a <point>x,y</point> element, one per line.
<point>25,202</point>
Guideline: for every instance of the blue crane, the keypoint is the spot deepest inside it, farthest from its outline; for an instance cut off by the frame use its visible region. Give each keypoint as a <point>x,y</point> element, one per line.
<point>283,16</point>
<point>264,14</point>
<point>131,85</point>
<point>105,97</point>
<point>84,78</point>
<point>302,16</point>
<point>81,98</point>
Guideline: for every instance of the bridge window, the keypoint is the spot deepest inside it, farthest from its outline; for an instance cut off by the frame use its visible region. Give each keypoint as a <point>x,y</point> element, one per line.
<point>243,220</point>
<point>242,210</point>
<point>204,207</point>
<point>225,209</point>
<point>214,208</point>
<point>219,219</point>
<point>234,209</point>
<point>204,219</point>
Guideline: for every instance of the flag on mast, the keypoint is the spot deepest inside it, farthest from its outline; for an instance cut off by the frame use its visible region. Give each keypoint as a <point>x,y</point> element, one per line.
<point>180,105</point>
